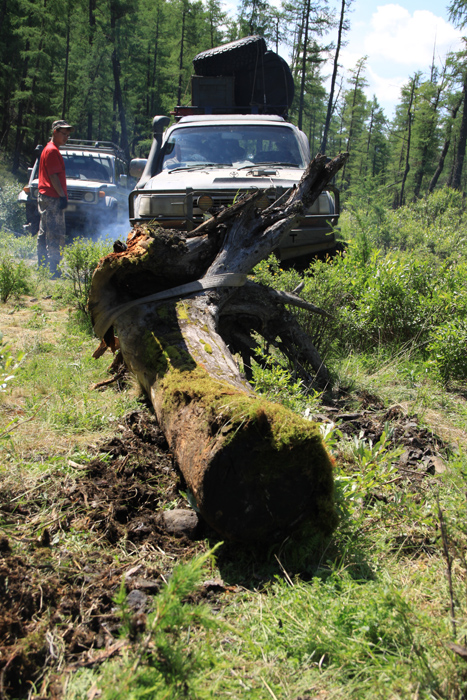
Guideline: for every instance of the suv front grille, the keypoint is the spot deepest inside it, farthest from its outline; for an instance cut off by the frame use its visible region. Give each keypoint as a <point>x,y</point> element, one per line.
<point>76,195</point>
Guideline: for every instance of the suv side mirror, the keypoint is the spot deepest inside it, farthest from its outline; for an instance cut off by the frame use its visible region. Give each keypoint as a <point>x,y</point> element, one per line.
<point>123,180</point>
<point>137,166</point>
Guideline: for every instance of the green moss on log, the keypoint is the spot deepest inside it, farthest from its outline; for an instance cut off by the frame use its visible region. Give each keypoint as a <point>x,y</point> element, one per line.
<point>161,354</point>
<point>257,447</point>
<point>181,309</point>
<point>229,410</point>
<point>206,346</point>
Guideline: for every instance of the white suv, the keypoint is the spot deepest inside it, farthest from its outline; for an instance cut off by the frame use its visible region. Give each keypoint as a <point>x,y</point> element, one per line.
<point>97,186</point>
<point>204,162</point>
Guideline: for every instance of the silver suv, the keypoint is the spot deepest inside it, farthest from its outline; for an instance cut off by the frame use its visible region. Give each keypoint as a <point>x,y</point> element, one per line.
<point>97,185</point>
<point>204,162</point>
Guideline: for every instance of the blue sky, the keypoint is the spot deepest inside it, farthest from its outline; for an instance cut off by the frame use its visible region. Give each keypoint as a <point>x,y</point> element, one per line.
<point>398,37</point>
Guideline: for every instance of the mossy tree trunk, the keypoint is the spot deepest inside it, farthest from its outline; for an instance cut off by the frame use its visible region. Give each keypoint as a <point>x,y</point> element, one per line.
<point>255,468</point>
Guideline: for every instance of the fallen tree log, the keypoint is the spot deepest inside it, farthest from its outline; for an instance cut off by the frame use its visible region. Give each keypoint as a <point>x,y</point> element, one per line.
<point>177,302</point>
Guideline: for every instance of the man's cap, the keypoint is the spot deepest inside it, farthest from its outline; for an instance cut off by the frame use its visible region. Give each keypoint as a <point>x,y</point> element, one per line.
<point>61,124</point>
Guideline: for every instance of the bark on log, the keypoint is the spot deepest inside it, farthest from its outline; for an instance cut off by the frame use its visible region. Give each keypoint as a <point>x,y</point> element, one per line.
<point>255,468</point>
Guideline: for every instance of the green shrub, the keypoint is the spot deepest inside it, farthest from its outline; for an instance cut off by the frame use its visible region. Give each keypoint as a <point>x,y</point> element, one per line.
<point>20,247</point>
<point>391,299</point>
<point>436,223</point>
<point>448,350</point>
<point>394,305</point>
<point>14,278</point>
<point>78,263</point>
<point>12,213</point>
<point>276,383</point>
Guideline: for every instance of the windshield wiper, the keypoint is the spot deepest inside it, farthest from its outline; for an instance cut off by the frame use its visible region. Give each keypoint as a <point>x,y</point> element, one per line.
<point>277,165</point>
<point>199,166</point>
<point>265,166</point>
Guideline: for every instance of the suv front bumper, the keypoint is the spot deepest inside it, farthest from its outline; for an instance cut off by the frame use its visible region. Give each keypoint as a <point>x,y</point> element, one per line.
<point>314,235</point>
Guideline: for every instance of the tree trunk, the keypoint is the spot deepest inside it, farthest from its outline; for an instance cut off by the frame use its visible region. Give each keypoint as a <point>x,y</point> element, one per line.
<point>409,135</point>
<point>118,95</point>
<point>254,468</point>
<point>444,150</point>
<point>155,67</point>
<point>360,66</point>
<point>304,59</point>
<point>428,136</point>
<point>460,151</point>
<point>67,58</point>
<point>331,103</point>
<point>180,58</point>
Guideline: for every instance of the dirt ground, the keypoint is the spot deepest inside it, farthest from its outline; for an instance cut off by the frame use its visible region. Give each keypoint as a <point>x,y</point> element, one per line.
<point>57,610</point>
<point>58,582</point>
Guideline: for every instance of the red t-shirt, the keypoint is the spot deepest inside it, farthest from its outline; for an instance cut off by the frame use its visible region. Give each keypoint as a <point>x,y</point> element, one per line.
<point>51,162</point>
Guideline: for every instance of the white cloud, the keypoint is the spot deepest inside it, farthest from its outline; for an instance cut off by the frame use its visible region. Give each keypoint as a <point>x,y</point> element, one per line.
<point>398,43</point>
<point>386,90</point>
<point>409,39</point>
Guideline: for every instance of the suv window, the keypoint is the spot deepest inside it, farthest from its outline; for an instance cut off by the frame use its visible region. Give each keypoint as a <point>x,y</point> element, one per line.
<point>225,145</point>
<point>84,166</point>
<point>88,166</point>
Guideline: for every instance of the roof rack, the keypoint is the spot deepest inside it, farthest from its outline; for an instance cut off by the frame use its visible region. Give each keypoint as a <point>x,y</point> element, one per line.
<point>263,110</point>
<point>89,145</point>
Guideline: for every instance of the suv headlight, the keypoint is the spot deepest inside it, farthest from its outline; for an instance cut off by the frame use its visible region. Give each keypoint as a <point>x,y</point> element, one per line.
<point>89,197</point>
<point>324,204</point>
<point>166,205</point>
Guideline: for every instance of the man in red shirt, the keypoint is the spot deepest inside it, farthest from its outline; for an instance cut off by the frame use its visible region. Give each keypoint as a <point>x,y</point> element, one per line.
<point>52,200</point>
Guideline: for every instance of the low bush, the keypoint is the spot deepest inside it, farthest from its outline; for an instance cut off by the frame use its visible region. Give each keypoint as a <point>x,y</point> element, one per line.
<point>15,278</point>
<point>436,223</point>
<point>448,350</point>
<point>79,260</point>
<point>12,213</point>
<point>376,298</point>
<point>276,383</point>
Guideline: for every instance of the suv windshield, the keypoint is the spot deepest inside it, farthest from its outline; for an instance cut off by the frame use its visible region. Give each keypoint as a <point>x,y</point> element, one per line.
<point>228,144</point>
<point>84,166</point>
<point>87,166</point>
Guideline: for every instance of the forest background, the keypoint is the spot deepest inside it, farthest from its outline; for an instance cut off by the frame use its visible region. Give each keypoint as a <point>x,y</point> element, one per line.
<point>108,66</point>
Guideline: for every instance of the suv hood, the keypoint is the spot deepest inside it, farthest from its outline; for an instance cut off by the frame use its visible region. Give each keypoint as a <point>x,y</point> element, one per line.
<point>207,178</point>
<point>81,184</point>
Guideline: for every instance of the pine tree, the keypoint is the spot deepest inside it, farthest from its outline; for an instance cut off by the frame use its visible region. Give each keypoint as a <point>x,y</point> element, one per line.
<point>426,121</point>
<point>354,115</point>
<point>342,27</point>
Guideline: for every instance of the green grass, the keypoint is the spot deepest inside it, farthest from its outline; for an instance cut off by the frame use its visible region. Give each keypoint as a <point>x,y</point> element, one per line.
<point>364,615</point>
<point>373,622</point>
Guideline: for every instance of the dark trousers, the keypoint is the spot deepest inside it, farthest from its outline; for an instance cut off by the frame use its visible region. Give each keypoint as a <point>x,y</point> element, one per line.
<point>51,235</point>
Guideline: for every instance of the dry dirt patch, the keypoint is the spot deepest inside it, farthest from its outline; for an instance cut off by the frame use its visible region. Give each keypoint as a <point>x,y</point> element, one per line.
<point>57,607</point>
